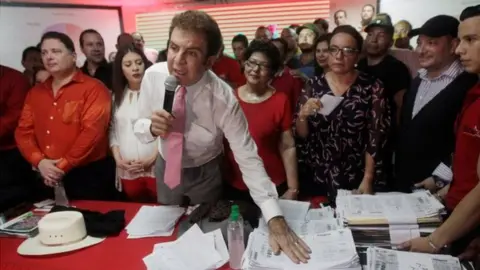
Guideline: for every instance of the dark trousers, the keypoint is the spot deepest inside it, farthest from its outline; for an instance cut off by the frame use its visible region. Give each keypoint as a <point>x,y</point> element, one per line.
<point>94,181</point>
<point>18,182</point>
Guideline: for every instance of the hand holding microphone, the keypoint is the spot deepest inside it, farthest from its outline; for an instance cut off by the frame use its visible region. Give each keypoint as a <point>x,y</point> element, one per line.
<point>162,119</point>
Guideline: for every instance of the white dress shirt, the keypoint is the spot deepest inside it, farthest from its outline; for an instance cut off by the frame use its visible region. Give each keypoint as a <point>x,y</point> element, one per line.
<point>151,54</point>
<point>212,111</point>
<point>121,135</point>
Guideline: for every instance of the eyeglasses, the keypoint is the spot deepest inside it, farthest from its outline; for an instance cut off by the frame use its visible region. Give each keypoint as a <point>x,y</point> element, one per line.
<point>345,51</point>
<point>263,67</point>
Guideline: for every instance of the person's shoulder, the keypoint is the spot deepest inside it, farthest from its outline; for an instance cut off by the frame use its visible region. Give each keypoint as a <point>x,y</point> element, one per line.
<point>396,64</point>
<point>12,74</point>
<point>220,90</point>
<point>158,68</point>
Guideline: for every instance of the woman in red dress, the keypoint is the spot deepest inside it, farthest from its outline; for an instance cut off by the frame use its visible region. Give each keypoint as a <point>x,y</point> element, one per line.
<point>269,118</point>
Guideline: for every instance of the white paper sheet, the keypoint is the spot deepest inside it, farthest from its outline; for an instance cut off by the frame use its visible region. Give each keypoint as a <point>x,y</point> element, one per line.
<point>193,250</point>
<point>329,103</point>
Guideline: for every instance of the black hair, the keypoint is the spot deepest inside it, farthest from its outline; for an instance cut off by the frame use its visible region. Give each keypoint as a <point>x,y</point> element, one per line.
<point>66,40</point>
<point>369,5</point>
<point>162,56</point>
<point>241,38</point>
<point>119,81</point>
<point>269,50</point>
<point>338,11</point>
<point>351,31</point>
<point>323,38</point>
<point>31,49</point>
<point>323,23</point>
<point>470,12</point>
<point>284,44</point>
<point>84,32</point>
<point>199,22</point>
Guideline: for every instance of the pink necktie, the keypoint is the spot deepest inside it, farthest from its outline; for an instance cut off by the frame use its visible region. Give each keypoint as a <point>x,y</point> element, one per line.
<point>173,166</point>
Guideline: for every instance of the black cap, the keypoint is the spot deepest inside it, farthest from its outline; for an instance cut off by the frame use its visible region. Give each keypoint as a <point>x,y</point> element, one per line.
<point>438,26</point>
<point>381,20</point>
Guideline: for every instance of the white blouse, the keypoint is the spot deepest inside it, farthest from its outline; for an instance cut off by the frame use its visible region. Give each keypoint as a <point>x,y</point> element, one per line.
<point>121,135</point>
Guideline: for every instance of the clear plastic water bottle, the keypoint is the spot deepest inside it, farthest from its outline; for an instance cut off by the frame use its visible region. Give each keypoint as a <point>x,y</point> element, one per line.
<point>236,244</point>
<point>61,195</point>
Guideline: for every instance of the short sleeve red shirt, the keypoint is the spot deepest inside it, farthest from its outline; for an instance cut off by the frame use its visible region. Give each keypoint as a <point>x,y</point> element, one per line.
<point>229,69</point>
<point>467,150</point>
<point>290,85</point>
<point>266,122</point>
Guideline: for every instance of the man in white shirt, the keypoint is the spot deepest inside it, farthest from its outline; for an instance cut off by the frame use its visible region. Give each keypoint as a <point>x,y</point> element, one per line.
<point>211,111</point>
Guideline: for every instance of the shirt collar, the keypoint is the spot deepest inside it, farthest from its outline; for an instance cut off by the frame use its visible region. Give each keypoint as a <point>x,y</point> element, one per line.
<point>78,77</point>
<point>204,82</point>
<point>452,72</point>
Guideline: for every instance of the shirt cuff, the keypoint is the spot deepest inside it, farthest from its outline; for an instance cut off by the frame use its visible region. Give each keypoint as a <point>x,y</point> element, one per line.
<point>64,165</point>
<point>35,158</point>
<point>270,209</point>
<point>444,172</point>
<point>141,129</point>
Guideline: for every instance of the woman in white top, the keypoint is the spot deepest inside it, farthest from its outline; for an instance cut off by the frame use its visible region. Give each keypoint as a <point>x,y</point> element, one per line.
<point>135,160</point>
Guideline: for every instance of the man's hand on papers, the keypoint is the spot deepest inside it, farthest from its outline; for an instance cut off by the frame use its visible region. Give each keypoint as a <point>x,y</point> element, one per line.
<point>472,253</point>
<point>428,183</point>
<point>161,123</point>
<point>440,195</point>
<point>282,238</point>
<point>419,244</point>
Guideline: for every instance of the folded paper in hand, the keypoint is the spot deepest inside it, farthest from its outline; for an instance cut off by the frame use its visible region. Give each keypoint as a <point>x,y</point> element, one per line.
<point>329,103</point>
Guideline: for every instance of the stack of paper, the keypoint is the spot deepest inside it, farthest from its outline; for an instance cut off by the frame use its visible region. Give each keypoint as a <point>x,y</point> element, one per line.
<point>330,250</point>
<point>151,221</point>
<point>381,259</point>
<point>194,250</point>
<point>389,219</point>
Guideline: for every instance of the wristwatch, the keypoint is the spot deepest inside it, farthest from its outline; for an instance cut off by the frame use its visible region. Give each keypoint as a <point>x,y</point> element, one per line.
<point>439,182</point>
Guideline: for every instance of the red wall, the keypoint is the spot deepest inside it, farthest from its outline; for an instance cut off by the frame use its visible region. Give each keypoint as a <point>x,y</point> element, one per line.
<point>129,7</point>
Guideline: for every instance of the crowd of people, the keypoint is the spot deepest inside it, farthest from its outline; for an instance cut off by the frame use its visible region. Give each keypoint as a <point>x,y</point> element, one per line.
<point>250,128</point>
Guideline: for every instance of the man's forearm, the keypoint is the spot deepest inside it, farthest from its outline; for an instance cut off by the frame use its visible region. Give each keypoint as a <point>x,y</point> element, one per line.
<point>464,218</point>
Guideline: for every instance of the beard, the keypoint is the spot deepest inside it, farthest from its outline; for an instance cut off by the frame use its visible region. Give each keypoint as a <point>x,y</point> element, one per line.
<point>306,47</point>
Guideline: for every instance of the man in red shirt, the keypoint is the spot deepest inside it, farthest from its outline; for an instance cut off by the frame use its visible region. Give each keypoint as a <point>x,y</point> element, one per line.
<point>463,197</point>
<point>229,70</point>
<point>13,168</point>
<point>62,129</point>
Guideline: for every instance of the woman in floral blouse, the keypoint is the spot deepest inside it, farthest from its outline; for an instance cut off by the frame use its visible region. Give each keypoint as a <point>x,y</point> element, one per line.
<point>343,149</point>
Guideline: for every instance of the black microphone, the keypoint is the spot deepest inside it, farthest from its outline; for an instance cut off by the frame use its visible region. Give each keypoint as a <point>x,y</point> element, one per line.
<point>171,84</point>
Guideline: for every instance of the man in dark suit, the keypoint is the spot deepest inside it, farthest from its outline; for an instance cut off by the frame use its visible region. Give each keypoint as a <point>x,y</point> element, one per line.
<point>426,137</point>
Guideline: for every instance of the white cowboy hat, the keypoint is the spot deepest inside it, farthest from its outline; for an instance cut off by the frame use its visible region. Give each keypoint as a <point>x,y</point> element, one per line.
<point>59,232</point>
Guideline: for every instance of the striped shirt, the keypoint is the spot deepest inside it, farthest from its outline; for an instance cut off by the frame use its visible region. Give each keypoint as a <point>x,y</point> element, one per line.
<point>430,88</point>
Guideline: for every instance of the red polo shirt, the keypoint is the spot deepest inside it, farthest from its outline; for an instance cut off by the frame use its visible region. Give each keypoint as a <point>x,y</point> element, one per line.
<point>467,150</point>
<point>229,69</point>
<point>13,90</point>
<point>291,86</point>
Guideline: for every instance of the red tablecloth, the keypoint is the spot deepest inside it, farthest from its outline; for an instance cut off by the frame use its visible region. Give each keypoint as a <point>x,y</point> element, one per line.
<point>113,253</point>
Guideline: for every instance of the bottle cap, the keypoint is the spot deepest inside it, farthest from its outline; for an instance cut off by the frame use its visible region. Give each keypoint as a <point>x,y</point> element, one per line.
<point>235,212</point>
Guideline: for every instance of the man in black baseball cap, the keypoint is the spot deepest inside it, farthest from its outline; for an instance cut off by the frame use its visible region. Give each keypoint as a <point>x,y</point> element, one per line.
<point>393,73</point>
<point>461,231</point>
<point>438,26</point>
